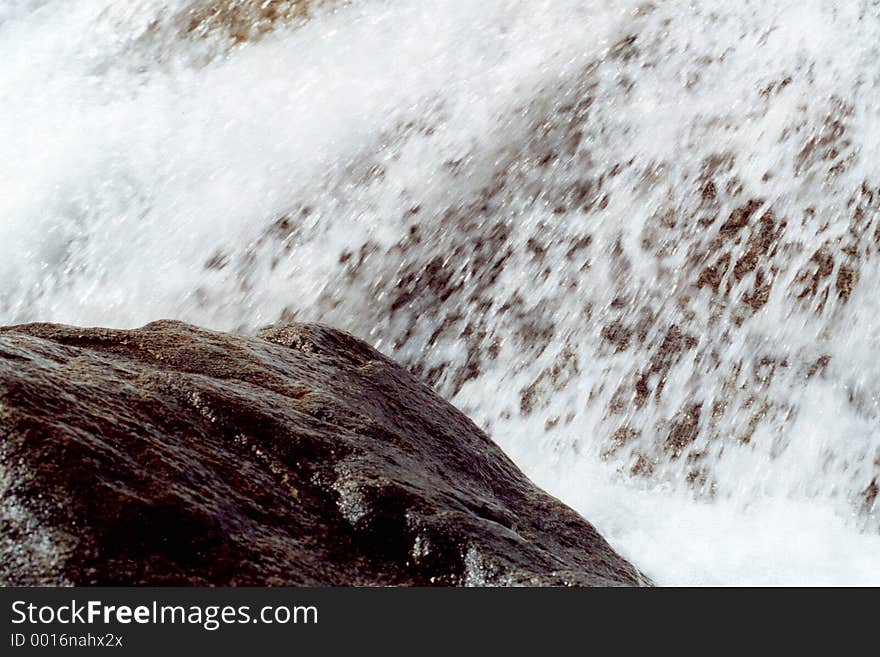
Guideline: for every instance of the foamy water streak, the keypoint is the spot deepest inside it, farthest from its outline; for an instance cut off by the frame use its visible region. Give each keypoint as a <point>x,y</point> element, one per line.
<point>638,242</point>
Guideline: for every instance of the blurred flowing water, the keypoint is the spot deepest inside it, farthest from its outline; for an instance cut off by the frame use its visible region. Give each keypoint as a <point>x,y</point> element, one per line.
<point>637,242</point>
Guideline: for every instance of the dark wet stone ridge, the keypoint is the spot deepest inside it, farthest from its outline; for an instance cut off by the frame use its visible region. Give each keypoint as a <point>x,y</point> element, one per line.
<point>176,455</point>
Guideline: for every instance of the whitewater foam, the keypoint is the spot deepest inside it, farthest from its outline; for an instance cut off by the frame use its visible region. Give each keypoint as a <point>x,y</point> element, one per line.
<point>635,241</point>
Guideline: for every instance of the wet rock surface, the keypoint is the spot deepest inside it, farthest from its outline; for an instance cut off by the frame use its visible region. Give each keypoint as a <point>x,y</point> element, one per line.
<point>175,455</point>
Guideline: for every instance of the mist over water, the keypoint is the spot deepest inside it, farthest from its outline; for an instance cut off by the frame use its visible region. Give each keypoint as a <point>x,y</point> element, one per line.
<point>637,242</point>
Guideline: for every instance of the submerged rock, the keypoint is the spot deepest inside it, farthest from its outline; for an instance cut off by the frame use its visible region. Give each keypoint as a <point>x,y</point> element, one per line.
<point>176,455</point>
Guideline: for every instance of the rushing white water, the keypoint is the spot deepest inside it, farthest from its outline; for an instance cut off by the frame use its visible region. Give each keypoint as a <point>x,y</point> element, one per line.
<point>638,242</point>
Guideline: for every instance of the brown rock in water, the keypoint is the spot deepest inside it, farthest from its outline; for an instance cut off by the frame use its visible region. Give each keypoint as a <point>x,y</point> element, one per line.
<point>243,20</point>
<point>176,455</point>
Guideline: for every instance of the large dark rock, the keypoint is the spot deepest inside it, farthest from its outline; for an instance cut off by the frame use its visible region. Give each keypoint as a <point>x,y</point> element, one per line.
<point>176,455</point>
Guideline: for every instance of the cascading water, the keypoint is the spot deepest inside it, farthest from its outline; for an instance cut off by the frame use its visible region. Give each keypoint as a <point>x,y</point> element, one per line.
<point>638,242</point>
